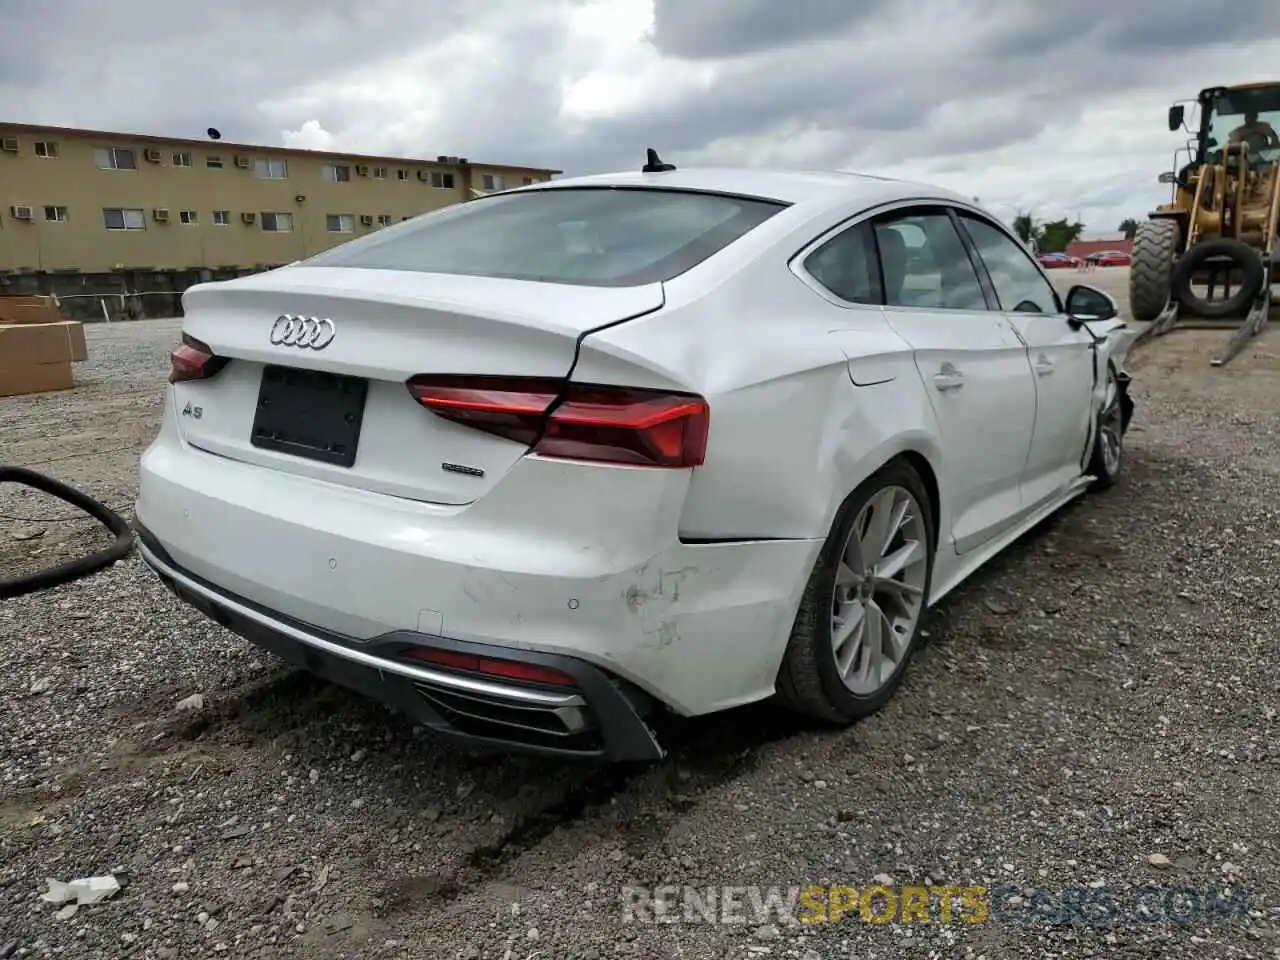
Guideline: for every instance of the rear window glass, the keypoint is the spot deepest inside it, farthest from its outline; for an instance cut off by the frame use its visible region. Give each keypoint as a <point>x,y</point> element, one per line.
<point>594,237</point>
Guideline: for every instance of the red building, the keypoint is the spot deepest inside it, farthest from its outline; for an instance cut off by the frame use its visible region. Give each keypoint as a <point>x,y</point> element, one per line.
<point>1082,248</point>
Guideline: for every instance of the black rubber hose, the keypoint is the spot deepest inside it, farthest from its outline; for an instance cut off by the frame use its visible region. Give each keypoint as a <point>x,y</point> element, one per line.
<point>74,569</point>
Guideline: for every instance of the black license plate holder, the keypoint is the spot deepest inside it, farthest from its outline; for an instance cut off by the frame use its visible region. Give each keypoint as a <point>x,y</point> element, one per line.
<point>310,414</point>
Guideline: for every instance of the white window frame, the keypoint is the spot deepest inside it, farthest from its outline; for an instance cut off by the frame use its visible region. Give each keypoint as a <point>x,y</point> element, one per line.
<point>346,222</point>
<point>402,174</point>
<point>384,219</point>
<point>221,218</point>
<point>442,179</point>
<point>49,148</point>
<point>57,209</point>
<point>330,172</point>
<point>139,218</point>
<point>264,168</point>
<point>189,218</point>
<point>181,158</point>
<point>379,173</point>
<point>112,157</point>
<point>213,161</point>
<point>493,181</point>
<point>275,216</point>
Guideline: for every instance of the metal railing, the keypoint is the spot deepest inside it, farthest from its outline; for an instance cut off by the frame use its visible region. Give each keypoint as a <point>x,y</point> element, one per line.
<point>123,298</point>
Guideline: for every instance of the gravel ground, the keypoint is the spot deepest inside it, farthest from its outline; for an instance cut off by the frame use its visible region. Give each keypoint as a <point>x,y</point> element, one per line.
<point>1096,710</point>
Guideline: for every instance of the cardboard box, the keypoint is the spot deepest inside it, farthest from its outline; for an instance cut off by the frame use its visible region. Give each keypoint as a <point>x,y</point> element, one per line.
<point>75,339</point>
<point>27,344</point>
<point>36,378</point>
<point>14,309</point>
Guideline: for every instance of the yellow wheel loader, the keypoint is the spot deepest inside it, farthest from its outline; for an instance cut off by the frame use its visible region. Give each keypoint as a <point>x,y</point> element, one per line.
<point>1208,256</point>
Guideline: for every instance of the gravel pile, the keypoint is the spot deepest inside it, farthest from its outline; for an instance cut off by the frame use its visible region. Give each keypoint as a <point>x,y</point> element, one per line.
<point>1096,711</point>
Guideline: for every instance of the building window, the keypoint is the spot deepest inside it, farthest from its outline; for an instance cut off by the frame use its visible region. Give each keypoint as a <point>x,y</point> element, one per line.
<point>189,217</point>
<point>221,218</point>
<point>402,174</point>
<point>384,219</point>
<point>442,180</point>
<point>270,168</point>
<point>123,218</point>
<point>115,158</point>
<point>182,158</point>
<point>337,172</point>
<point>214,161</point>
<point>379,173</point>
<point>340,223</point>
<point>527,180</point>
<point>47,149</point>
<point>55,214</point>
<point>492,181</point>
<point>277,222</point>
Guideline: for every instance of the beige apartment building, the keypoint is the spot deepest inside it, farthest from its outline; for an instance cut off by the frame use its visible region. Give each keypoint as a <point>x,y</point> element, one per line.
<point>133,211</point>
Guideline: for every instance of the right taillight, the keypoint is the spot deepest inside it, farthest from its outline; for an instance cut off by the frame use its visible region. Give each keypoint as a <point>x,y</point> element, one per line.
<point>605,424</point>
<point>193,360</point>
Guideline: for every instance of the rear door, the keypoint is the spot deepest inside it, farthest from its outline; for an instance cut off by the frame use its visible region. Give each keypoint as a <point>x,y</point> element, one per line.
<point>1060,358</point>
<point>972,364</point>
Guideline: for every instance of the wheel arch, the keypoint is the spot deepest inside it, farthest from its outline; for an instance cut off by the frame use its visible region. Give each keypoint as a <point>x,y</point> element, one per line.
<point>921,454</point>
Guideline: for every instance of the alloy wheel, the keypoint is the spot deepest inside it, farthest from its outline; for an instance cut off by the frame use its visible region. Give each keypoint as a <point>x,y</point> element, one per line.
<point>1110,426</point>
<point>879,590</point>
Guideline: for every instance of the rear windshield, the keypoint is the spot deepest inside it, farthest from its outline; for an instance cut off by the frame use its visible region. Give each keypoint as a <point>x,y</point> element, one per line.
<point>606,237</point>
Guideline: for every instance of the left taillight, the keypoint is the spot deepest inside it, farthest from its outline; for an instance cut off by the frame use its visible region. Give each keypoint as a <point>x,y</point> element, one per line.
<point>193,360</point>
<point>604,424</point>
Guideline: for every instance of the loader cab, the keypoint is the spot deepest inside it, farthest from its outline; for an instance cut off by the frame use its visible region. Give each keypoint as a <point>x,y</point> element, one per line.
<point>1251,111</point>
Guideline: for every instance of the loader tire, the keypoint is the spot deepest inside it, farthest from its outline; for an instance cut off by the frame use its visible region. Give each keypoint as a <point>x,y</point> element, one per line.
<point>1155,246</point>
<point>1253,276</point>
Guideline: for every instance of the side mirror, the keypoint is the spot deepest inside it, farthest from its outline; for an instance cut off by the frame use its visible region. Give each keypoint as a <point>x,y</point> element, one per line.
<point>1176,115</point>
<point>1089,303</point>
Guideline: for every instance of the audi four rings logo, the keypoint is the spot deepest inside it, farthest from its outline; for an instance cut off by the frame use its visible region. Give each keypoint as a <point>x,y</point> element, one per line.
<point>291,330</point>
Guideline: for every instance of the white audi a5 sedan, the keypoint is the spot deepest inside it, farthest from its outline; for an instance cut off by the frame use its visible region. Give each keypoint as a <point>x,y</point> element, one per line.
<point>539,468</point>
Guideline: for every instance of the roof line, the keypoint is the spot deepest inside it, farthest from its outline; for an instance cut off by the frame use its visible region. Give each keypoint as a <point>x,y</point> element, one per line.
<point>33,128</point>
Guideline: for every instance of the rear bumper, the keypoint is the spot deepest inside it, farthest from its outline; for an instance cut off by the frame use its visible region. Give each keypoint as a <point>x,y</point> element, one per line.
<point>599,717</point>
<point>559,559</point>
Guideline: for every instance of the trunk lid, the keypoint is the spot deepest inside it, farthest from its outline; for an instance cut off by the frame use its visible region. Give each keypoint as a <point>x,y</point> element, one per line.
<point>387,326</point>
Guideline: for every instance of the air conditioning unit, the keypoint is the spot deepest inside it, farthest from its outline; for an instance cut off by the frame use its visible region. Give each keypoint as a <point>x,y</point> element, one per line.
<point>423,176</point>
<point>248,217</point>
<point>242,161</point>
<point>366,219</point>
<point>9,144</point>
<point>21,212</point>
<point>362,169</point>
<point>151,155</point>
<point>160,214</point>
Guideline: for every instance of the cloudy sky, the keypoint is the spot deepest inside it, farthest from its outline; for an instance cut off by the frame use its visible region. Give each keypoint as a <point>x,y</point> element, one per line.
<point>1057,107</point>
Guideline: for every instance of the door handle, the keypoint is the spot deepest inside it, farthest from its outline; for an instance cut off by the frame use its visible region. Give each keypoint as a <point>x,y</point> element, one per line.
<point>1044,366</point>
<point>948,378</point>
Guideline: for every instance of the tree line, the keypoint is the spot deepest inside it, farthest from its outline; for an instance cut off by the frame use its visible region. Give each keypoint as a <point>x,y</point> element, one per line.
<point>1052,236</point>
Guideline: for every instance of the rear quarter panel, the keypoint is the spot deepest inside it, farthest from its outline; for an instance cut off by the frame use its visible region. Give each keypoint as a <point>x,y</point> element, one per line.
<point>790,434</point>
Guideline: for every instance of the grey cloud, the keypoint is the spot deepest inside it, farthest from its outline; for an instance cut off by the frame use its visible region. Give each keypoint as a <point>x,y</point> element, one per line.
<point>1096,29</point>
<point>886,81</point>
<point>725,28</point>
<point>169,68</point>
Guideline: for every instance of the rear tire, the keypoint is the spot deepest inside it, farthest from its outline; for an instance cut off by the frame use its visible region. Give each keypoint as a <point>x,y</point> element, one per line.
<point>1155,246</point>
<point>855,634</point>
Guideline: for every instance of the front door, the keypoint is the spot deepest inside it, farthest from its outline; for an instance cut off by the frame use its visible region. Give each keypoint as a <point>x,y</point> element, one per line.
<point>1060,358</point>
<point>973,366</point>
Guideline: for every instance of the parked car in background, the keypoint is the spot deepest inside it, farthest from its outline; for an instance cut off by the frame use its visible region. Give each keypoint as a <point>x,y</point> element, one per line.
<point>541,467</point>
<point>1051,261</point>
<point>1110,258</point>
